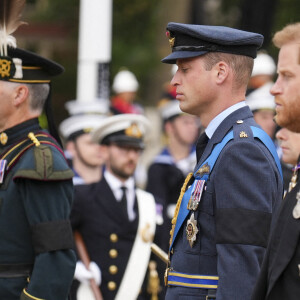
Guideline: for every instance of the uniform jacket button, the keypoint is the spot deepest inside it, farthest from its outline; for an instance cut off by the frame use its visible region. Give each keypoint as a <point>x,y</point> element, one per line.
<point>113,269</point>
<point>113,253</point>
<point>111,285</point>
<point>113,238</point>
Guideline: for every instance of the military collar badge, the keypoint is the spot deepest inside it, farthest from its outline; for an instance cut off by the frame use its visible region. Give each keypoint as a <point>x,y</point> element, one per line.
<point>191,230</point>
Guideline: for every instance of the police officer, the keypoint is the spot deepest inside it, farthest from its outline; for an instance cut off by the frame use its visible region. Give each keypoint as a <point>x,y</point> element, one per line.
<point>36,191</point>
<point>279,277</point>
<point>222,218</point>
<point>117,220</point>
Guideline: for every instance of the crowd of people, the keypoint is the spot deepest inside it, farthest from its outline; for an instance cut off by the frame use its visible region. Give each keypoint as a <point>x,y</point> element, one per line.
<point>219,214</point>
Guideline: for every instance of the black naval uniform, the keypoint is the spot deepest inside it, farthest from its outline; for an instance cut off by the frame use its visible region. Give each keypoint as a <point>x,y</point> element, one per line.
<point>107,233</point>
<point>36,260</point>
<point>280,272</point>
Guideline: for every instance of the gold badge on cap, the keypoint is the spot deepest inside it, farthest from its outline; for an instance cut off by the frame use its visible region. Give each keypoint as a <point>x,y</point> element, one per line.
<point>3,138</point>
<point>171,39</point>
<point>296,210</point>
<point>133,131</point>
<point>191,230</point>
<point>5,67</point>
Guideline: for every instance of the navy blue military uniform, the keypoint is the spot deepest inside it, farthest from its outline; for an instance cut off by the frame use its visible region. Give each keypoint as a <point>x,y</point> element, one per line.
<point>233,216</point>
<point>36,259</point>
<point>217,250</point>
<point>280,272</point>
<point>107,234</point>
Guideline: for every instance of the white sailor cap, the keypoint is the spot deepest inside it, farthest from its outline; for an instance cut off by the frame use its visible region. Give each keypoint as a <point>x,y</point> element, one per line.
<point>170,109</point>
<point>261,99</point>
<point>96,106</point>
<point>76,125</point>
<point>123,129</point>
<point>125,81</point>
<point>263,65</point>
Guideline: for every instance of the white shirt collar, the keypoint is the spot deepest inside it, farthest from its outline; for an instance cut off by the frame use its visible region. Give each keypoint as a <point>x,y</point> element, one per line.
<point>116,184</point>
<point>215,122</point>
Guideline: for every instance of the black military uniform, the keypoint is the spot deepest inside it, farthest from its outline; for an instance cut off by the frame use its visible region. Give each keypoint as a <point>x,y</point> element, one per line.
<point>36,191</point>
<point>110,235</point>
<point>280,272</point>
<point>35,235</point>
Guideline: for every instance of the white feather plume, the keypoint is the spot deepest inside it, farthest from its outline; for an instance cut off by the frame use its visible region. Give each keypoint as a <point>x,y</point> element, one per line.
<point>10,20</point>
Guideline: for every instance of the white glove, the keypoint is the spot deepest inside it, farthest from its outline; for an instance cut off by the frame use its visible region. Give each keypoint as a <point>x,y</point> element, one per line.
<point>96,272</point>
<point>84,275</point>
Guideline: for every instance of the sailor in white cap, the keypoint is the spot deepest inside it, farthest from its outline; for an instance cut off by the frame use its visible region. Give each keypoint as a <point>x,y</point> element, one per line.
<point>260,100</point>
<point>125,87</point>
<point>86,157</point>
<point>116,219</point>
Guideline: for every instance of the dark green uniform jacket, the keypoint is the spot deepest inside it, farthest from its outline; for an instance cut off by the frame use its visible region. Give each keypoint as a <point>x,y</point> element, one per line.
<point>36,256</point>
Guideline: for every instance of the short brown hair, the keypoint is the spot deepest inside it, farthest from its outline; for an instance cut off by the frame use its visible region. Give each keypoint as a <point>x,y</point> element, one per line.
<point>241,65</point>
<point>290,33</point>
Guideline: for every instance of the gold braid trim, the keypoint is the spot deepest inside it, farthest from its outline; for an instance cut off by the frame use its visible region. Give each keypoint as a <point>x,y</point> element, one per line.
<point>182,191</point>
<point>34,139</point>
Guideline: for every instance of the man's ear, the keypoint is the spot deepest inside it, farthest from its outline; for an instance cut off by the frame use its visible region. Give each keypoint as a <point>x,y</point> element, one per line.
<point>20,95</point>
<point>222,72</point>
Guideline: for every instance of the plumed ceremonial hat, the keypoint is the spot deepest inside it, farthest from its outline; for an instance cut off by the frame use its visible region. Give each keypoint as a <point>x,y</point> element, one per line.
<point>16,64</point>
<point>189,40</point>
<point>22,66</point>
<point>123,130</point>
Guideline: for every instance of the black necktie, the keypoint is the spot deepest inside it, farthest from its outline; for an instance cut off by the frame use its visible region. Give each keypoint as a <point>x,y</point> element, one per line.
<point>201,144</point>
<point>123,201</point>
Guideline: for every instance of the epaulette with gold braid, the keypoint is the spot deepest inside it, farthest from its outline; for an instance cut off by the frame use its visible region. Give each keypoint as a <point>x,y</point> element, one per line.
<point>15,152</point>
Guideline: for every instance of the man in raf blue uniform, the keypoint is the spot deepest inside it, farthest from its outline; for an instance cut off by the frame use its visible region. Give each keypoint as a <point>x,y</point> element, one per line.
<point>36,256</point>
<point>280,272</point>
<point>223,215</point>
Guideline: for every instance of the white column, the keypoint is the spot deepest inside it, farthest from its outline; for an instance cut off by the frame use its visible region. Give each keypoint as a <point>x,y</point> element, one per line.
<point>94,49</point>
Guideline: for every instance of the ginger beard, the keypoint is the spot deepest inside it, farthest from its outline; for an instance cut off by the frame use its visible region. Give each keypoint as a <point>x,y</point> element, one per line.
<point>287,89</point>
